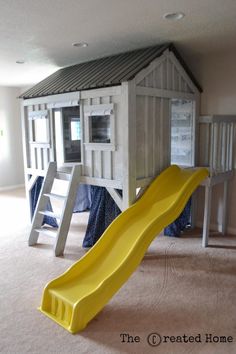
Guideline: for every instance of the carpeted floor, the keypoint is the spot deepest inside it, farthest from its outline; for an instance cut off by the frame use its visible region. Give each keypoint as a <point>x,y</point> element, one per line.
<point>179,289</point>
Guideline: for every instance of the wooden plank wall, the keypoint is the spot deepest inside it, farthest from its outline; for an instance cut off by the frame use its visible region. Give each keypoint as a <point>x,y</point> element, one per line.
<point>39,154</point>
<point>153,135</point>
<point>153,119</point>
<point>97,164</point>
<point>166,76</point>
<point>216,146</point>
<point>105,164</point>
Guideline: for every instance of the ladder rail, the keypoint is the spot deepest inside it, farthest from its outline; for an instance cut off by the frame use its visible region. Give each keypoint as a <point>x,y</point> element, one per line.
<point>67,211</point>
<point>42,203</point>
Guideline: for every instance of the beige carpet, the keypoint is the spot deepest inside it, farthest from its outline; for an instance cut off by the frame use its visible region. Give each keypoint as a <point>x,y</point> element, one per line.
<point>180,288</point>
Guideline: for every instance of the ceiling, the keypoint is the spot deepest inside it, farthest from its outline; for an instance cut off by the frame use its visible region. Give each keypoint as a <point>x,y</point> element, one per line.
<point>41,32</point>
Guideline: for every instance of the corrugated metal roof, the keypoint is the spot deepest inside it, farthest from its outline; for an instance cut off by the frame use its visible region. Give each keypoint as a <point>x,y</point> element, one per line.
<point>103,72</point>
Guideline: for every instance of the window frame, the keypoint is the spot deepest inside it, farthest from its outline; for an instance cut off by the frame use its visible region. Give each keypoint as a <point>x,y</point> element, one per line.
<point>99,110</point>
<point>33,117</point>
<point>64,161</point>
<point>193,129</point>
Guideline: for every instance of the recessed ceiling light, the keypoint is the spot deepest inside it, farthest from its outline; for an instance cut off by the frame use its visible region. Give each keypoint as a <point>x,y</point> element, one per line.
<point>174,16</point>
<point>20,61</point>
<point>80,45</point>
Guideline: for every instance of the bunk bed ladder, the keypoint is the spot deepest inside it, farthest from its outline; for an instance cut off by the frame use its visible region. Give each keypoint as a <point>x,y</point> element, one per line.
<point>64,219</point>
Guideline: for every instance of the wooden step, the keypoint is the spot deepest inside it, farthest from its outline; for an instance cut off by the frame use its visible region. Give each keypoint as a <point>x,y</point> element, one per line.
<point>68,201</point>
<point>50,214</point>
<point>47,232</point>
<point>64,176</point>
<point>55,196</point>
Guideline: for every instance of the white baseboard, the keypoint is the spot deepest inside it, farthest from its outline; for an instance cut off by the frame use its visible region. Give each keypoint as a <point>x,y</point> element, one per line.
<point>217,227</point>
<point>8,188</point>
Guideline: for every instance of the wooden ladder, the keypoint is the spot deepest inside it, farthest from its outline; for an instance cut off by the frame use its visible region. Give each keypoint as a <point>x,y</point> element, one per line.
<point>64,218</point>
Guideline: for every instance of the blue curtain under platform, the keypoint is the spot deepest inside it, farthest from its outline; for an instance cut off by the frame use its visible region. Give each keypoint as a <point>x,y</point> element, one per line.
<point>181,223</point>
<point>102,212</point>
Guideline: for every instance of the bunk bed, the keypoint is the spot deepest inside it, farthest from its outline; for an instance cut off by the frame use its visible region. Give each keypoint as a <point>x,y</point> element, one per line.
<point>108,123</point>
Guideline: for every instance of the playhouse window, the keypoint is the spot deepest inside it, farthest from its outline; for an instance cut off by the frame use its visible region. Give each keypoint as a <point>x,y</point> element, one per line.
<point>40,127</point>
<point>68,135</point>
<point>40,130</point>
<point>100,129</point>
<point>182,147</point>
<point>75,129</point>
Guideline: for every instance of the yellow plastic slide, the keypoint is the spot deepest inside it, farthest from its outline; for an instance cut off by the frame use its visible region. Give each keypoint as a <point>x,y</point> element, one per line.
<point>76,296</point>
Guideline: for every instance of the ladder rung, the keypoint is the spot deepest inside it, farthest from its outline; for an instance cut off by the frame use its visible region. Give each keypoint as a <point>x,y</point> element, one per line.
<point>50,213</point>
<point>65,176</point>
<point>47,232</point>
<point>71,175</point>
<point>55,196</point>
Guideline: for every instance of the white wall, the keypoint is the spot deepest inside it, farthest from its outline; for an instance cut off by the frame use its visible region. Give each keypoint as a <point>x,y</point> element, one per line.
<point>217,75</point>
<point>11,157</point>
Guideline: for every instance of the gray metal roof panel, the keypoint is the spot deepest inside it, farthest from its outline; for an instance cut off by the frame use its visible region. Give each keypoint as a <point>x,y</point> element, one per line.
<point>103,72</point>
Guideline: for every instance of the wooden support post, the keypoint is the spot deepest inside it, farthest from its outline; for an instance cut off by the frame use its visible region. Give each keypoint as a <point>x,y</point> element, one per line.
<point>231,146</point>
<point>51,134</point>
<point>215,146</point>
<point>42,202</point>
<point>207,215</point>
<point>31,182</point>
<point>212,150</point>
<point>224,210</point>
<point>116,197</point>
<point>129,143</point>
<point>26,152</point>
<point>224,149</point>
<point>67,211</point>
<point>193,210</point>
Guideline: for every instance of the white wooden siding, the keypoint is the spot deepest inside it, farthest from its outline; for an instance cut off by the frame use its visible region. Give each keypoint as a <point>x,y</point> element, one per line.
<point>105,164</point>
<point>168,75</point>
<point>165,81</point>
<point>216,143</point>
<point>97,164</point>
<point>142,128</point>
<point>153,135</point>
<point>39,154</point>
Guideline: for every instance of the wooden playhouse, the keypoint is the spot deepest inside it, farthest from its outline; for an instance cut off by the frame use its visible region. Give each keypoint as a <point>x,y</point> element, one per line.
<point>114,122</point>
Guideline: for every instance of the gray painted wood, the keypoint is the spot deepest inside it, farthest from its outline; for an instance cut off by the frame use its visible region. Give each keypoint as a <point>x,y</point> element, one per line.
<point>141,127</point>
<point>129,143</point>
<point>67,211</point>
<point>207,216</point>
<point>224,208</point>
<point>116,197</point>
<point>42,202</point>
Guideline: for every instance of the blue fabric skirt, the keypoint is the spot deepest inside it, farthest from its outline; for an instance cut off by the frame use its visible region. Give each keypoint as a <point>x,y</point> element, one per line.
<point>180,223</point>
<point>103,211</point>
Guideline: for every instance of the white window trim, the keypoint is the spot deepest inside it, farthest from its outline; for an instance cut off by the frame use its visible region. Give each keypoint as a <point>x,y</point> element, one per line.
<point>41,114</point>
<point>64,163</point>
<point>100,110</point>
<point>38,114</point>
<point>63,104</point>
